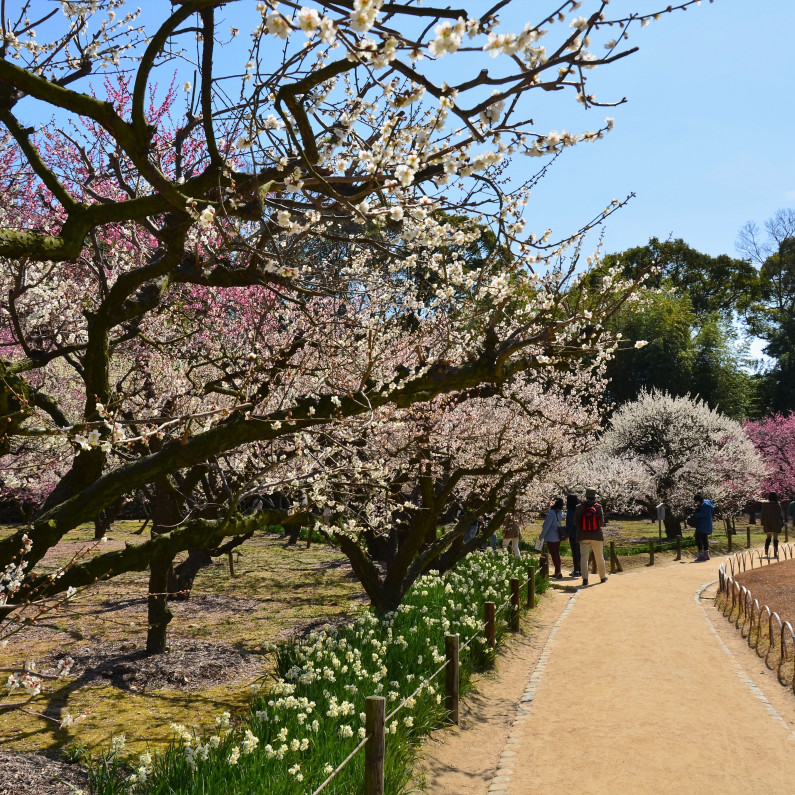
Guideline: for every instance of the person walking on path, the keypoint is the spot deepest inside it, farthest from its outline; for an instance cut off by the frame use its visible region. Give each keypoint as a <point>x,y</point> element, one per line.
<point>589,519</point>
<point>772,522</point>
<point>511,533</point>
<point>552,533</point>
<point>571,530</point>
<point>702,517</point>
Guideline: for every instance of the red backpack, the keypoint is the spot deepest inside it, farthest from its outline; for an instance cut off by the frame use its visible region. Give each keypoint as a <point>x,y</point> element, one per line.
<point>590,518</point>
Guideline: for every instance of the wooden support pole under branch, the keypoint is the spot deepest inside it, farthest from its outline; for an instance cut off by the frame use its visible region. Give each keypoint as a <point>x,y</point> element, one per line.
<point>231,564</point>
<point>651,552</point>
<point>375,749</point>
<point>451,678</point>
<point>748,536</point>
<point>615,563</point>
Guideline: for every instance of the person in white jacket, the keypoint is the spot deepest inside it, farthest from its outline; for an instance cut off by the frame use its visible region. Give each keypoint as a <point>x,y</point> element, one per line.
<point>552,532</point>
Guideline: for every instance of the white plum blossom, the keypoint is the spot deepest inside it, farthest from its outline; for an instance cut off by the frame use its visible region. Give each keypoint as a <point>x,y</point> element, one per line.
<point>278,25</point>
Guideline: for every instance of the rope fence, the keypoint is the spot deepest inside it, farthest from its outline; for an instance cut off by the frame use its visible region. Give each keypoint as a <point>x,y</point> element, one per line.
<point>760,620</point>
<point>376,718</point>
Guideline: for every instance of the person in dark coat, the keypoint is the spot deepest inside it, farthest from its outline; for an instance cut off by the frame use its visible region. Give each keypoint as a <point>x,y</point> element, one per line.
<point>702,521</point>
<point>572,501</point>
<point>772,521</point>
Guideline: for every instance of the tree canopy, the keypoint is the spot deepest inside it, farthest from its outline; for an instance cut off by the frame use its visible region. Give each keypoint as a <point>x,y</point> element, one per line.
<point>219,288</point>
<point>772,316</point>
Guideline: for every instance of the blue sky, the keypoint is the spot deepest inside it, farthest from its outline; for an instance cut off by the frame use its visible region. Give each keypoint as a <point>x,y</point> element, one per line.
<point>706,139</point>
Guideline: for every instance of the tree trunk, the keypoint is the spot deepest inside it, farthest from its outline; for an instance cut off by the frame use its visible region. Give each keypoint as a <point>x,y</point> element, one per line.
<point>673,525</point>
<point>104,519</point>
<point>165,515</point>
<point>183,575</point>
<point>159,616</point>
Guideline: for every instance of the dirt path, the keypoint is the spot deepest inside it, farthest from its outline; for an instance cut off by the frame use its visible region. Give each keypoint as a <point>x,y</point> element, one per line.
<point>636,690</point>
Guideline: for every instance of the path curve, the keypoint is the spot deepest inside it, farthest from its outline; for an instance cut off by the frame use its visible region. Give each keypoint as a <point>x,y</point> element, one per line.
<point>637,686</point>
<point>643,688</point>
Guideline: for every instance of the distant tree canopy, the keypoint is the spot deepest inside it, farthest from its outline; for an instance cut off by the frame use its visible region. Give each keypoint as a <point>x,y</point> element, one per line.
<point>772,316</point>
<point>693,347</point>
<point>719,284</point>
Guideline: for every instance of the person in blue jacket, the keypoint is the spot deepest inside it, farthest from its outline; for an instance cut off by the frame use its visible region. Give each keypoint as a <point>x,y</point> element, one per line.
<point>702,517</point>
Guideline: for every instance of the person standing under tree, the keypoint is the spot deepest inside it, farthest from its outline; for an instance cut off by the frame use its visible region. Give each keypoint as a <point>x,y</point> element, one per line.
<point>572,501</point>
<point>589,519</point>
<point>511,533</point>
<point>702,522</point>
<point>552,533</point>
<point>772,522</point>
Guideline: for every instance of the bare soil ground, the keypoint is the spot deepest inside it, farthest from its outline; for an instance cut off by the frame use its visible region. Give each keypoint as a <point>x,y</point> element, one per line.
<point>773,586</point>
<point>34,774</point>
<point>460,760</point>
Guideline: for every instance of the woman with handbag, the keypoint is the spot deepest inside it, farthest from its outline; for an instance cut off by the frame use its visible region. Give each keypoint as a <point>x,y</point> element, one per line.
<point>552,533</point>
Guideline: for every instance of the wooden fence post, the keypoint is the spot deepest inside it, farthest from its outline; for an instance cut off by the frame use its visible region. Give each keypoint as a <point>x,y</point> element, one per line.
<point>531,587</point>
<point>678,548</point>
<point>375,748</point>
<point>490,612</point>
<point>515,604</point>
<point>651,552</point>
<point>451,677</point>
<point>543,566</point>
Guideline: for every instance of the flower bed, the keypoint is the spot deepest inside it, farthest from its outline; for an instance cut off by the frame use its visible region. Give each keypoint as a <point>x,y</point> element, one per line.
<point>308,721</point>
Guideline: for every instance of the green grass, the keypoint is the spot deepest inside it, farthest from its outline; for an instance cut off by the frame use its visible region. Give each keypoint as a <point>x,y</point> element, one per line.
<point>279,590</point>
<point>311,717</point>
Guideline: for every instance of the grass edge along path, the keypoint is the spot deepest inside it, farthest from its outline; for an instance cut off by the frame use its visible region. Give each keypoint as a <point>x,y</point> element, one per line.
<point>311,717</point>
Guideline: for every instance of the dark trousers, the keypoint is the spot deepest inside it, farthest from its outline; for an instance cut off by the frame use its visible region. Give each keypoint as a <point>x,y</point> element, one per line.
<point>575,549</point>
<point>702,541</point>
<point>554,551</point>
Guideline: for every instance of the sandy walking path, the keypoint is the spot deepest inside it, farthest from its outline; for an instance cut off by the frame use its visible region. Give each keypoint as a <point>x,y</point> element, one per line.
<point>639,695</point>
<point>637,690</point>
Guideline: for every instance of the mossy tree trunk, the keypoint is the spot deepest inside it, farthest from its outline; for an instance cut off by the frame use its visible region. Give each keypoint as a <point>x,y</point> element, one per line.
<point>165,515</point>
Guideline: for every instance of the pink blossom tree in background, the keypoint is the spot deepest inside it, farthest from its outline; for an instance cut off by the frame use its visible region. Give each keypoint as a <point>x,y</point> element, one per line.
<point>774,439</point>
<point>208,302</point>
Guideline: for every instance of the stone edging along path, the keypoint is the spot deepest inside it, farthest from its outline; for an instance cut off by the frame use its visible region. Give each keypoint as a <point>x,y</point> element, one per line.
<point>630,694</point>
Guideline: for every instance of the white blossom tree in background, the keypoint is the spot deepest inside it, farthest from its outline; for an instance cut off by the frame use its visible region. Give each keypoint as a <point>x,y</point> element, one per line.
<point>623,483</point>
<point>686,448</point>
<point>325,229</point>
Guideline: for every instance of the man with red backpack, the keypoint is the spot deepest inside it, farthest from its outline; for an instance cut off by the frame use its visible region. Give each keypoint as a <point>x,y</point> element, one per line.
<point>588,519</point>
